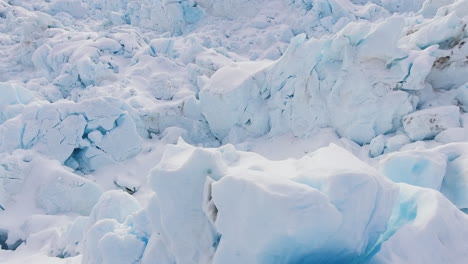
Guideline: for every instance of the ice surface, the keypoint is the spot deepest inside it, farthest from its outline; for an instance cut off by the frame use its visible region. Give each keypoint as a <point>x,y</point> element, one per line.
<point>420,168</point>
<point>110,242</point>
<point>424,215</point>
<point>317,190</point>
<point>59,131</point>
<point>316,83</point>
<point>425,124</point>
<point>257,208</point>
<point>26,178</point>
<point>117,119</point>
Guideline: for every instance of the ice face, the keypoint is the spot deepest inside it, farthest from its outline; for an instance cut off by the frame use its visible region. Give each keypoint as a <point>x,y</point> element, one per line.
<point>27,178</point>
<point>105,237</point>
<point>59,131</point>
<point>425,124</point>
<point>252,210</point>
<point>321,192</point>
<point>323,85</point>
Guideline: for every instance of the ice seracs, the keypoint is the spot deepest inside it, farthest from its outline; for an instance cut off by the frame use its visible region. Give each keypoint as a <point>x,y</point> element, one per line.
<point>59,130</point>
<point>98,99</point>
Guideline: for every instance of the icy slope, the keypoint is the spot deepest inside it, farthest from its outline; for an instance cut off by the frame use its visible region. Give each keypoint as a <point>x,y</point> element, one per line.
<point>233,131</point>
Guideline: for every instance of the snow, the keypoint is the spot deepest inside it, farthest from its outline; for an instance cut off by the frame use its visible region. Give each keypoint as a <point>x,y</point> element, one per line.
<point>233,131</point>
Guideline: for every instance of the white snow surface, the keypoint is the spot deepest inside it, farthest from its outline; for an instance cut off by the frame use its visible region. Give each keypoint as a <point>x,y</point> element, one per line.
<point>233,131</point>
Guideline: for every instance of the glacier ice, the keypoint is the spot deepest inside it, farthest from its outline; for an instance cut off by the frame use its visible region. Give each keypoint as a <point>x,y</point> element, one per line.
<point>26,178</point>
<point>255,209</point>
<point>420,168</point>
<point>117,119</point>
<point>425,124</point>
<point>311,87</point>
<point>59,131</point>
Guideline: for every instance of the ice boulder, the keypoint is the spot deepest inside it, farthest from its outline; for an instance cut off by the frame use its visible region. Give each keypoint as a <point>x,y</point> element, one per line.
<point>266,223</point>
<point>110,242</point>
<point>228,206</point>
<point>70,241</point>
<point>60,131</point>
<point>456,134</point>
<point>462,97</point>
<point>455,184</point>
<point>420,168</point>
<point>179,182</point>
<point>28,179</point>
<point>13,99</point>
<point>229,100</point>
<point>116,231</point>
<point>163,16</point>
<point>442,168</point>
<point>427,123</point>
<point>424,228</point>
<point>115,205</point>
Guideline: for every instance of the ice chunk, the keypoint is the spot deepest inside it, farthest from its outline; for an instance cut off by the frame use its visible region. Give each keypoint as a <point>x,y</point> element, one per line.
<point>455,184</point>
<point>113,205</point>
<point>396,142</point>
<point>277,98</point>
<point>66,192</point>
<point>112,233</point>
<point>164,15</point>
<point>462,97</point>
<point>457,134</point>
<point>13,99</point>
<point>270,224</point>
<point>179,181</point>
<point>424,228</point>
<point>59,131</point>
<point>272,208</point>
<point>430,7</point>
<point>448,69</point>
<point>27,179</point>
<point>226,98</point>
<point>377,146</point>
<point>109,242</point>
<point>70,242</point>
<point>441,30</point>
<point>420,168</point>
<point>427,123</point>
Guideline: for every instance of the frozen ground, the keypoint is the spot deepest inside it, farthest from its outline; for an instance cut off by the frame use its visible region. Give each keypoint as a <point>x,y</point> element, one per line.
<point>234,131</point>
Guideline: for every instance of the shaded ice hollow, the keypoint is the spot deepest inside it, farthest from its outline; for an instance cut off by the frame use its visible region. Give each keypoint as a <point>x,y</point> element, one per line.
<point>233,131</point>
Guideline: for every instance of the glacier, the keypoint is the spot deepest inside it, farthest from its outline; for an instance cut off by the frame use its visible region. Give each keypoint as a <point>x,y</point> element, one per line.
<point>233,131</point>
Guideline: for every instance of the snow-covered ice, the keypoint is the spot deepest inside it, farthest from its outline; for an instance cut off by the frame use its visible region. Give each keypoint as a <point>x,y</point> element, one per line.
<point>233,131</point>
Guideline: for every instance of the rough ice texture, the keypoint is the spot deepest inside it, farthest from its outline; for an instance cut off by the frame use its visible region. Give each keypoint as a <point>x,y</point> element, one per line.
<point>95,93</point>
<point>27,178</point>
<point>246,209</point>
<point>426,124</point>
<point>340,82</point>
<point>60,131</point>
<point>111,236</point>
